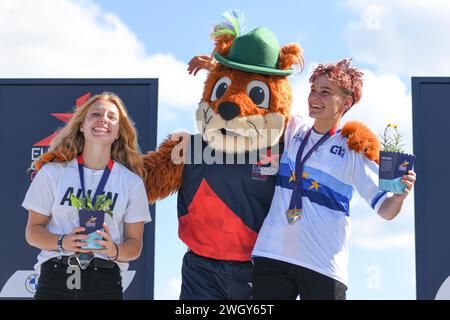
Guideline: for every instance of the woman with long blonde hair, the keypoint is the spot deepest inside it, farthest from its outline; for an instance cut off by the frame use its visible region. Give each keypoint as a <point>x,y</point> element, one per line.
<point>95,156</point>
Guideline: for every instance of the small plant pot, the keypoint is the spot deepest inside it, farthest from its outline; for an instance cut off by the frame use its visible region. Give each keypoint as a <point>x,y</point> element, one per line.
<point>393,165</point>
<point>92,220</point>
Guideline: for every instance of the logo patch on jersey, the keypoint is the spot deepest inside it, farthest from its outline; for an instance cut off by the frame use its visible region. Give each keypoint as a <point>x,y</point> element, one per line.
<point>338,150</point>
<point>263,173</point>
<point>299,136</point>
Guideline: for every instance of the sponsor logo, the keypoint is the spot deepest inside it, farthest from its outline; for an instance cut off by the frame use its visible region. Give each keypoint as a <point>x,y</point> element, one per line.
<point>263,173</point>
<point>403,166</point>
<point>91,222</point>
<point>338,150</point>
<point>299,136</point>
<point>31,283</point>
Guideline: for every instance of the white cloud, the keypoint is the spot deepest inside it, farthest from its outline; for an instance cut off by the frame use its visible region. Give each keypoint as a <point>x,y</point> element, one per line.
<point>384,99</point>
<point>408,37</point>
<point>172,289</point>
<point>76,39</point>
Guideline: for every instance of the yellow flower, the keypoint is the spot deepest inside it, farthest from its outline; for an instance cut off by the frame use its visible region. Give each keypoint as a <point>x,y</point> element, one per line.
<point>391,138</point>
<point>392,125</point>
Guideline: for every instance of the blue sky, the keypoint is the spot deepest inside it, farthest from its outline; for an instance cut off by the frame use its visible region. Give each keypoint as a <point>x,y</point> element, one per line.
<point>138,38</point>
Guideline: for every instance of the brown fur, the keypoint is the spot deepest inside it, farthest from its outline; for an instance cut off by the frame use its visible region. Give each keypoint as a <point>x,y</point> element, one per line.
<point>280,90</point>
<point>52,156</point>
<point>361,139</point>
<point>290,54</point>
<point>163,175</point>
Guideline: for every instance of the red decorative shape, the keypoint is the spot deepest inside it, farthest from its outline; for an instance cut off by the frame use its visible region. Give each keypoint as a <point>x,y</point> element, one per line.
<point>64,117</point>
<point>81,100</point>
<point>211,229</point>
<point>46,142</point>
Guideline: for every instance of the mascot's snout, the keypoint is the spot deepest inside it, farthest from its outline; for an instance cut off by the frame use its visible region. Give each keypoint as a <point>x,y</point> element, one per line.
<point>228,110</point>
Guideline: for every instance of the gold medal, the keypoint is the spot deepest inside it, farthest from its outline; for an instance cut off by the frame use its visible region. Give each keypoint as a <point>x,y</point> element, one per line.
<point>293,214</point>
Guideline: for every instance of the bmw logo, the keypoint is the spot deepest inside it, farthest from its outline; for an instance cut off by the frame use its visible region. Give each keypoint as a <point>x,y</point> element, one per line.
<point>31,283</point>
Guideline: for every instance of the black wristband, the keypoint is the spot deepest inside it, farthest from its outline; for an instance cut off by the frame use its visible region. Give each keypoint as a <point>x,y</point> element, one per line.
<point>117,253</point>
<point>59,243</point>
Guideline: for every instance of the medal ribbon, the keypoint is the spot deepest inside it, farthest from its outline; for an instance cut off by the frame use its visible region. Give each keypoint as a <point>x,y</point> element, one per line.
<point>103,179</point>
<point>85,258</point>
<point>296,198</point>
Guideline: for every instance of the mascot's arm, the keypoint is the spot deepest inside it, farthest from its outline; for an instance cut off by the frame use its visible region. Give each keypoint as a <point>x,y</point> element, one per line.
<point>52,156</point>
<point>361,139</point>
<point>163,175</point>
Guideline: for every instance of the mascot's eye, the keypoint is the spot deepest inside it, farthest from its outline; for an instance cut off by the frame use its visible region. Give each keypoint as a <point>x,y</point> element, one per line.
<point>219,88</point>
<point>259,92</point>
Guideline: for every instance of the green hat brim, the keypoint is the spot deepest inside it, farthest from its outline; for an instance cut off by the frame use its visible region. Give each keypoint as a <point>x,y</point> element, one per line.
<point>251,68</point>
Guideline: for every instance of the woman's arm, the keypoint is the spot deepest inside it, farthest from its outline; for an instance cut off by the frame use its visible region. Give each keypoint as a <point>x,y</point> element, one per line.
<point>36,232</point>
<point>38,236</point>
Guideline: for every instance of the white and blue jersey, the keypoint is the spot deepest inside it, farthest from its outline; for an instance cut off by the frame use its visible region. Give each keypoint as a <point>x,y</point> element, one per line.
<point>318,240</point>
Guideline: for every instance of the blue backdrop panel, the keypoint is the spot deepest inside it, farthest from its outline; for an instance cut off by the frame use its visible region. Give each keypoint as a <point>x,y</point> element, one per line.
<point>431,121</point>
<point>31,111</point>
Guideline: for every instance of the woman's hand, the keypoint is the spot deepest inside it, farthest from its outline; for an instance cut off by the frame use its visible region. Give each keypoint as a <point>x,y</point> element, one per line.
<point>200,62</point>
<point>72,242</point>
<point>408,179</point>
<point>109,247</point>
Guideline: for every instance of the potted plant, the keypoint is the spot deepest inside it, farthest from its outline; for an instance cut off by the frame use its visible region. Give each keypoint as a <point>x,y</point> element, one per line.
<point>92,216</point>
<point>394,163</point>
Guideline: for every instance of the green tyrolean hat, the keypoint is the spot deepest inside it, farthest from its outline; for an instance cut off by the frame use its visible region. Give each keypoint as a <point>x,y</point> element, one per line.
<point>256,51</point>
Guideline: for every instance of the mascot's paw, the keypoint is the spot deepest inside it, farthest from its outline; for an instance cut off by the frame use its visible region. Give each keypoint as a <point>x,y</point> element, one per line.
<point>51,156</point>
<point>362,139</point>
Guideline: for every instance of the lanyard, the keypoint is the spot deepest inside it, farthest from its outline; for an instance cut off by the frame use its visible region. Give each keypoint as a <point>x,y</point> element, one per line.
<point>295,206</point>
<point>103,179</point>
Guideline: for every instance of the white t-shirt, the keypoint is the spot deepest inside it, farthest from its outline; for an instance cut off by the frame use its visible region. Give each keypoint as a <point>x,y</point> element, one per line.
<point>49,194</point>
<point>318,240</point>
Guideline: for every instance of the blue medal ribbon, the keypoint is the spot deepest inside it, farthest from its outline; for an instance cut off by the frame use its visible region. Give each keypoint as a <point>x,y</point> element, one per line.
<point>103,179</point>
<point>85,258</point>
<point>295,206</point>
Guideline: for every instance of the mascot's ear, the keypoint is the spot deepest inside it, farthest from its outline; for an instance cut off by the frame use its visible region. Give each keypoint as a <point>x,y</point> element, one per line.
<point>291,54</point>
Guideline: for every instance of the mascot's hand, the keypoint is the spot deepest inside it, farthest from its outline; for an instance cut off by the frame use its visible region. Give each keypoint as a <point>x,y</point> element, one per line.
<point>200,62</point>
<point>362,139</point>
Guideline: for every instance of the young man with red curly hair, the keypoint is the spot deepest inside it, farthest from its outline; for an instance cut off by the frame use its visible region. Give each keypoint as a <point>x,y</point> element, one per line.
<point>302,246</point>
